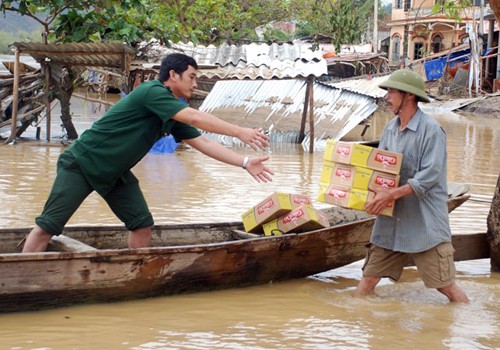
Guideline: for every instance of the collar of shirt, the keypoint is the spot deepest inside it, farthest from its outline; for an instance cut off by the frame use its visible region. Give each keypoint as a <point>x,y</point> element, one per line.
<point>412,125</point>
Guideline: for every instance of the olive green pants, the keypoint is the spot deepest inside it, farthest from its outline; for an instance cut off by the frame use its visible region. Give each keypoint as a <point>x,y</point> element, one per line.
<point>70,189</point>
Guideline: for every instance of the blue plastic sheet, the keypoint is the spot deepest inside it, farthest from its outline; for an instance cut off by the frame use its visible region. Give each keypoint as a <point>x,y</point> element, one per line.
<point>434,68</point>
<point>166,144</point>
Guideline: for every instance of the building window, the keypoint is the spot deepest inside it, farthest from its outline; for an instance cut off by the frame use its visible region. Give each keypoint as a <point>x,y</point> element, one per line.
<point>437,43</point>
<point>399,4</point>
<point>396,47</point>
<point>407,5</point>
<point>418,51</point>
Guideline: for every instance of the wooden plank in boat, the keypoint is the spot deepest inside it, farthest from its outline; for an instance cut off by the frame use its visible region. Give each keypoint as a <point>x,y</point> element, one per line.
<point>470,246</point>
<point>64,243</point>
<point>240,234</point>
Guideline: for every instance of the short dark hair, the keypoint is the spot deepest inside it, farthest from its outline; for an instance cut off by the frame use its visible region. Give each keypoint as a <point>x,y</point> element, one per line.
<point>177,62</point>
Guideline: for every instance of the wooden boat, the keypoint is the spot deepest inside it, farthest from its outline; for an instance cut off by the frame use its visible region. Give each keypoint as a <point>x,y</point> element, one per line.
<point>93,264</point>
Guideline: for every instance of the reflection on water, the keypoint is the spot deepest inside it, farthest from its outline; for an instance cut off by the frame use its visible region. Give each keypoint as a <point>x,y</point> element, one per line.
<point>188,187</point>
<point>314,313</point>
<point>301,314</point>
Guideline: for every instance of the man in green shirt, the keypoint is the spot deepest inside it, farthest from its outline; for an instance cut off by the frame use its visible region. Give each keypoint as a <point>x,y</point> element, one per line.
<point>101,159</point>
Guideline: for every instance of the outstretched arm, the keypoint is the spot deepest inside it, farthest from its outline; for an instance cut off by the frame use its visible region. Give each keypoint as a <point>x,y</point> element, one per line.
<point>255,165</point>
<point>255,138</point>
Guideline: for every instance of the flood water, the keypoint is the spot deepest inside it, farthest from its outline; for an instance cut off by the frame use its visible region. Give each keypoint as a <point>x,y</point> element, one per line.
<point>312,313</point>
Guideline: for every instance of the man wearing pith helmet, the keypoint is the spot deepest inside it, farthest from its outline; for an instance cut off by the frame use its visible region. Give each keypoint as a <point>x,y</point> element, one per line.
<point>419,231</point>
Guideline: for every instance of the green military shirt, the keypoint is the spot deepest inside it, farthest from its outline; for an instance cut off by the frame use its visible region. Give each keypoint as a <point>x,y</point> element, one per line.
<point>125,134</point>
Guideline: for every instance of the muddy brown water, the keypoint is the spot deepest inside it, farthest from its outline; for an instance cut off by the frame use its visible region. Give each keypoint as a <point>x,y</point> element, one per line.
<point>312,313</point>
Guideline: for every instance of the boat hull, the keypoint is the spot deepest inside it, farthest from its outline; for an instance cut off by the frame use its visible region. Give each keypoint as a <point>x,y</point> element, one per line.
<point>38,280</point>
<point>184,258</point>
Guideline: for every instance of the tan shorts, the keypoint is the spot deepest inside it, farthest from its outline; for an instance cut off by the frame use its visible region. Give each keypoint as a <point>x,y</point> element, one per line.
<point>436,265</point>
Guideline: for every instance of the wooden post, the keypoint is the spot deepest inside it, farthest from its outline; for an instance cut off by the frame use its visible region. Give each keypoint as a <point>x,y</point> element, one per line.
<point>311,116</point>
<point>375,26</point>
<point>15,99</point>
<point>304,113</point>
<point>48,118</point>
<point>493,232</point>
<point>491,29</point>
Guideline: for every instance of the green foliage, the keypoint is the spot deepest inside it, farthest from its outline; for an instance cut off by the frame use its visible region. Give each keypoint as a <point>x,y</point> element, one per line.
<point>199,21</point>
<point>274,34</point>
<point>82,21</point>
<point>344,20</point>
<point>304,29</point>
<point>452,9</point>
<point>217,21</point>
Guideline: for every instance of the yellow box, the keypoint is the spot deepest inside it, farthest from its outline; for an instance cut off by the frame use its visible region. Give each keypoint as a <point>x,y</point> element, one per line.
<point>302,219</point>
<point>357,177</point>
<point>365,156</point>
<point>380,180</point>
<point>270,208</point>
<point>348,197</point>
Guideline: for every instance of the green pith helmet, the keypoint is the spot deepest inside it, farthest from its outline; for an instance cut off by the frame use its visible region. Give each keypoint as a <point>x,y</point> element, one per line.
<point>407,81</point>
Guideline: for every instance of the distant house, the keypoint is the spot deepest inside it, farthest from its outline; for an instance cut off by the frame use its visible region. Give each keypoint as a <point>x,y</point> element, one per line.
<point>417,32</point>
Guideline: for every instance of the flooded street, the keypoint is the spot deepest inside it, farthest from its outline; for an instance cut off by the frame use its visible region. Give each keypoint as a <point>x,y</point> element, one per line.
<point>312,313</point>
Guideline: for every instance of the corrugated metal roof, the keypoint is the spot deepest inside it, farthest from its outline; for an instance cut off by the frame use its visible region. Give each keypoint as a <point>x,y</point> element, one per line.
<point>253,61</point>
<point>277,106</point>
<point>368,87</point>
<point>112,55</point>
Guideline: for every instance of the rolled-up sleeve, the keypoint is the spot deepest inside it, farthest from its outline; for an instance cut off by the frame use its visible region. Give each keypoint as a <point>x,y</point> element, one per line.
<point>432,163</point>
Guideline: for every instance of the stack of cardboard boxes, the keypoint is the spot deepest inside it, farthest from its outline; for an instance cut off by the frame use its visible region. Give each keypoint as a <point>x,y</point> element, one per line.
<point>281,213</point>
<point>353,172</point>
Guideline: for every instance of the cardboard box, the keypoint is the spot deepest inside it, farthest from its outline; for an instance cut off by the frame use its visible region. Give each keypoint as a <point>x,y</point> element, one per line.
<point>270,208</point>
<point>364,156</point>
<point>348,197</point>
<point>357,177</point>
<point>302,219</point>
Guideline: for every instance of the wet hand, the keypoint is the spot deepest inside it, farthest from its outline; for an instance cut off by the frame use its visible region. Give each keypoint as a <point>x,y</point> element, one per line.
<point>255,138</point>
<point>258,170</point>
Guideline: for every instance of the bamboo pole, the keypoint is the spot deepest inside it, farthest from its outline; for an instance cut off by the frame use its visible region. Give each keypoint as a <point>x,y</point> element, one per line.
<point>15,99</point>
<point>311,116</point>
<point>47,100</point>
<point>304,113</point>
<point>375,26</point>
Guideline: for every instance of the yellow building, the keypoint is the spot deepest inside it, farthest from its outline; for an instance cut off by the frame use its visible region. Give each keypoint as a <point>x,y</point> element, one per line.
<point>416,31</point>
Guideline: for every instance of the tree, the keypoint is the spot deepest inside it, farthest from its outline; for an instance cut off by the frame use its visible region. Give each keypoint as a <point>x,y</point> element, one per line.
<point>495,6</point>
<point>84,21</point>
<point>199,21</point>
<point>493,232</point>
<point>80,21</point>
<point>344,20</point>
<point>218,21</point>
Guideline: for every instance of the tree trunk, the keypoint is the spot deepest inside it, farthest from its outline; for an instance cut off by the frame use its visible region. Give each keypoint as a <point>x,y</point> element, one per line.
<point>64,98</point>
<point>495,6</point>
<point>62,83</point>
<point>493,232</point>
